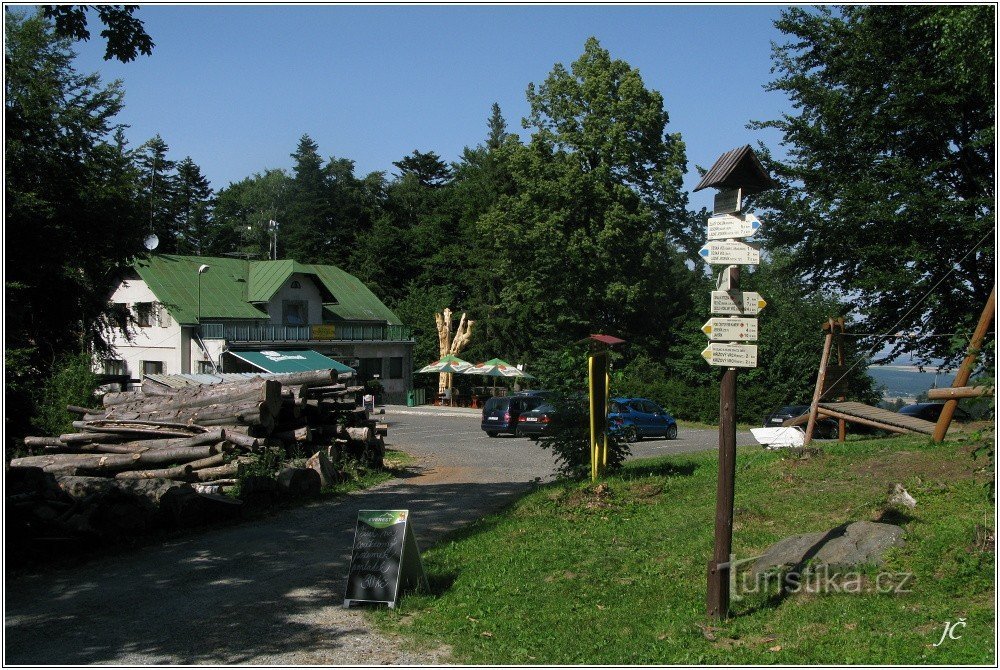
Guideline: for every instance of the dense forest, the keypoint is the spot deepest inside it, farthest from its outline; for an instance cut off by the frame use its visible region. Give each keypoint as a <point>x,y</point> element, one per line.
<point>583,227</point>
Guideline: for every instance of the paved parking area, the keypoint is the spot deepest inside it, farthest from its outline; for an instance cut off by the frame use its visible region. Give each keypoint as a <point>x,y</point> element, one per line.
<point>454,435</point>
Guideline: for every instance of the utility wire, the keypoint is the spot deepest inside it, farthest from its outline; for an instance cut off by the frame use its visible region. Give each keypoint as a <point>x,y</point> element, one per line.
<point>895,328</point>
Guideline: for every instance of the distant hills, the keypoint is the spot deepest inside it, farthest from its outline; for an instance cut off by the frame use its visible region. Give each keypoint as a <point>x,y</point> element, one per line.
<point>902,381</point>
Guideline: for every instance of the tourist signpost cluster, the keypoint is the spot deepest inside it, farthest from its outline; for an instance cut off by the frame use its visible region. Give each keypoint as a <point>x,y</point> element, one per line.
<point>730,331</point>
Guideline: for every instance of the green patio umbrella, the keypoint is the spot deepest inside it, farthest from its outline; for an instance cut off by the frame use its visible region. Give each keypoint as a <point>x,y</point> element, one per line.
<point>447,364</point>
<point>496,367</point>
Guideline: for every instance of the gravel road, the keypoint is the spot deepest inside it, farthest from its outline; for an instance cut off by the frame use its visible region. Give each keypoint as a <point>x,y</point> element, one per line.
<point>269,591</point>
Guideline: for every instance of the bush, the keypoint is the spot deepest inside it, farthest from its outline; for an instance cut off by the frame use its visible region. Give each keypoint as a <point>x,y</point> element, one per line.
<point>644,378</point>
<point>72,382</point>
<point>569,438</point>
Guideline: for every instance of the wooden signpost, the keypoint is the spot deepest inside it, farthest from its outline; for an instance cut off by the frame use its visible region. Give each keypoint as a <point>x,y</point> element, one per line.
<point>385,560</point>
<point>728,226</point>
<point>730,252</point>
<point>730,330</point>
<point>736,173</point>
<point>741,303</point>
<point>727,200</point>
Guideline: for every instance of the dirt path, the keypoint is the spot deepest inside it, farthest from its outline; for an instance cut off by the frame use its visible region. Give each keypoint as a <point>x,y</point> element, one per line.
<point>265,592</point>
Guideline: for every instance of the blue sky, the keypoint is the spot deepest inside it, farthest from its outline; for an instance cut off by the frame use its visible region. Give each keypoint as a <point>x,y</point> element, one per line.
<point>234,87</point>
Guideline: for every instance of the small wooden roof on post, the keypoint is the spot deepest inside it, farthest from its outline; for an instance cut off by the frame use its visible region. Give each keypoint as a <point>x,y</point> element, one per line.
<point>739,168</point>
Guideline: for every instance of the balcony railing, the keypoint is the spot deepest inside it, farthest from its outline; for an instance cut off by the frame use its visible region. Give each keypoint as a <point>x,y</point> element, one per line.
<point>267,332</point>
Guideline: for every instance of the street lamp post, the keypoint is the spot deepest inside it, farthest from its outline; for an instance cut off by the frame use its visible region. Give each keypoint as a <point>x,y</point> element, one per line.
<point>202,270</point>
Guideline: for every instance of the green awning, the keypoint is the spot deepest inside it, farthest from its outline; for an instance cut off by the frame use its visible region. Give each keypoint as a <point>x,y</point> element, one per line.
<point>299,360</point>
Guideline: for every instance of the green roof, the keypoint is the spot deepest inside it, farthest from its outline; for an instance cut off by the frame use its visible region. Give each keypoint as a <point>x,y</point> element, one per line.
<point>231,285</point>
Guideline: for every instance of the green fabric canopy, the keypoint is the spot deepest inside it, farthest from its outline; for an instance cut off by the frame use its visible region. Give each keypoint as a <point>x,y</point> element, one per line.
<point>301,360</point>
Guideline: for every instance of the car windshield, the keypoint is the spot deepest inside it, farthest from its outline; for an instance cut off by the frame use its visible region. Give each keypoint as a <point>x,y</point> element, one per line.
<point>793,409</point>
<point>545,409</point>
<point>493,404</point>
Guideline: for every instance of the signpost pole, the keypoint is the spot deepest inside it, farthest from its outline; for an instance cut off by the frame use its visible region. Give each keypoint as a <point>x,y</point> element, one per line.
<point>718,567</point>
<point>736,173</point>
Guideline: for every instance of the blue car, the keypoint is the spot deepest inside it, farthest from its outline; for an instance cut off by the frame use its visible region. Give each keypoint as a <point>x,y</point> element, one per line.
<point>636,418</point>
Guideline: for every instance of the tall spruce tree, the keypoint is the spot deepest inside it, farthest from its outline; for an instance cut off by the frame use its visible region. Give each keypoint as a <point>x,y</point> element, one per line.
<point>307,233</point>
<point>193,207</point>
<point>158,197</point>
<point>72,224</point>
<point>888,190</point>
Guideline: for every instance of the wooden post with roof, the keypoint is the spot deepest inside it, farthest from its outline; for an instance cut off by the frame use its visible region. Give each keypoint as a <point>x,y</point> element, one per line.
<point>736,173</point>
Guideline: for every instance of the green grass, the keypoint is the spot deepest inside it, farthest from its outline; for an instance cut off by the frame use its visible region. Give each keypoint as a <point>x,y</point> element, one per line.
<point>395,464</point>
<point>570,575</point>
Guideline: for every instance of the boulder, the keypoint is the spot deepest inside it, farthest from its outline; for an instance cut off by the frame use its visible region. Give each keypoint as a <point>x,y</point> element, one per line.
<point>858,543</point>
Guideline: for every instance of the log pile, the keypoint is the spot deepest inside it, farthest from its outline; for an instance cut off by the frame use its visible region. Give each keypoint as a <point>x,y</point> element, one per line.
<point>152,459</point>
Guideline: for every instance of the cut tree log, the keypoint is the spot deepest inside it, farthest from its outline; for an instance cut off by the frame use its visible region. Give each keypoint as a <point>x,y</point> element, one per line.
<point>112,463</point>
<point>93,438</point>
<point>242,439</point>
<point>196,402</point>
<point>959,392</point>
<point>32,441</point>
<point>209,462</point>
<point>180,472</point>
<point>227,471</point>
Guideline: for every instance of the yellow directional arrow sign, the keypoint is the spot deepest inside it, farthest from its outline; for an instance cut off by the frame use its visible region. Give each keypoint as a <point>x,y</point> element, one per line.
<point>731,329</point>
<point>739,303</point>
<point>726,355</point>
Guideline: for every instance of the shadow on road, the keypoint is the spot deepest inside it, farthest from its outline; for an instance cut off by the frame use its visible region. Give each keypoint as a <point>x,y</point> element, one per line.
<point>266,591</point>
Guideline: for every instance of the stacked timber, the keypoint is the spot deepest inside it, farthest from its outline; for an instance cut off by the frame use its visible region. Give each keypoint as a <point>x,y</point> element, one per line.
<point>163,457</point>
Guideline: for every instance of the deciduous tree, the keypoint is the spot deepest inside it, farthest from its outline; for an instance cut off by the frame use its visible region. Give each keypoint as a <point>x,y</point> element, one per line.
<point>888,190</point>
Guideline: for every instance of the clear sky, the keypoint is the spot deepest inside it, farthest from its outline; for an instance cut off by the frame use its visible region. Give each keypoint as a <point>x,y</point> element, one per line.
<point>234,87</point>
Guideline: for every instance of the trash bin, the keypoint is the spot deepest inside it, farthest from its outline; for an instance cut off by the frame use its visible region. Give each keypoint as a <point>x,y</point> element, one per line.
<point>411,398</point>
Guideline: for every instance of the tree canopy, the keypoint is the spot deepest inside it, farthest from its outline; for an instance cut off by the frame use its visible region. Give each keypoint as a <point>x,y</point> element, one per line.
<point>582,227</point>
<point>887,194</point>
<point>126,36</point>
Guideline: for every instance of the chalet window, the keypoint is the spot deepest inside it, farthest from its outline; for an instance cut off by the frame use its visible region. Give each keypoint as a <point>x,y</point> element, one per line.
<point>115,367</point>
<point>369,367</point>
<point>152,367</point>
<point>295,284</point>
<point>144,314</point>
<point>294,312</point>
<point>396,367</point>
<point>163,316</point>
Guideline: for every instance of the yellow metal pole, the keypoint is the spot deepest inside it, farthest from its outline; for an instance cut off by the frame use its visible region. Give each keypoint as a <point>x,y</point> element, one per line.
<point>593,420</point>
<point>604,421</point>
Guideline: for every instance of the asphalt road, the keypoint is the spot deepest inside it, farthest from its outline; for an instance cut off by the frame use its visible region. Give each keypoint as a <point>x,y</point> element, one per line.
<point>453,435</point>
<point>269,591</point>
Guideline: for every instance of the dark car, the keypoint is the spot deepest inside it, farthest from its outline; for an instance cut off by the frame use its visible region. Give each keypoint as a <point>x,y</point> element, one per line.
<point>825,427</point>
<point>636,418</point>
<point>931,411</point>
<point>500,415</point>
<point>536,422</point>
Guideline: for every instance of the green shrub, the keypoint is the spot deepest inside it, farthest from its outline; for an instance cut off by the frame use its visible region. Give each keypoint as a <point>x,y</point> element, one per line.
<point>569,438</point>
<point>72,383</point>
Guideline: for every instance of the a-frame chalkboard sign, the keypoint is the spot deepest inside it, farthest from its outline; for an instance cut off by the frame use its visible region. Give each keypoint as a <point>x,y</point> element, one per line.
<point>386,560</point>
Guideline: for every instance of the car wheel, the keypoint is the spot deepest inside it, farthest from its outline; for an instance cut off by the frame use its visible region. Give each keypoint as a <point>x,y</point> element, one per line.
<point>671,433</point>
<point>491,434</point>
<point>630,434</point>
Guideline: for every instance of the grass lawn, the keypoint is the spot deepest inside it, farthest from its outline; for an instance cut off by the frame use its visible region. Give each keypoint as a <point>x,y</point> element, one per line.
<point>574,574</point>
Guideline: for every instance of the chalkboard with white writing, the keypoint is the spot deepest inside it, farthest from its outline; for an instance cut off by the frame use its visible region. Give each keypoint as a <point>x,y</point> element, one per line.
<point>385,560</point>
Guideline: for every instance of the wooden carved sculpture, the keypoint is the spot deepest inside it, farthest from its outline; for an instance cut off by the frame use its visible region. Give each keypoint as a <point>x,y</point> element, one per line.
<point>451,343</point>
